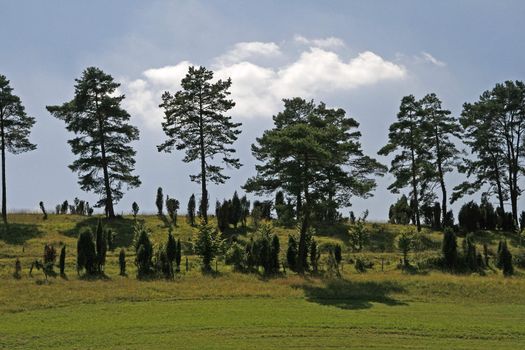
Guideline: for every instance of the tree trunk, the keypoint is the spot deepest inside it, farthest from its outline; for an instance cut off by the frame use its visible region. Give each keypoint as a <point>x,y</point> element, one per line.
<point>110,212</point>
<point>441,182</point>
<point>303,249</point>
<point>414,190</point>
<point>4,187</point>
<point>204,198</point>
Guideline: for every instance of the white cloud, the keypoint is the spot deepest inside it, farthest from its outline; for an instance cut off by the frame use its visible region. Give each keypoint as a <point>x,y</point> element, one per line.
<point>327,43</point>
<point>429,58</point>
<point>245,50</point>
<point>258,90</point>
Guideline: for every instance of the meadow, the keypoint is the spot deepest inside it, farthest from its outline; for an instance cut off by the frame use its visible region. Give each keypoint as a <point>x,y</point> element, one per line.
<point>384,307</point>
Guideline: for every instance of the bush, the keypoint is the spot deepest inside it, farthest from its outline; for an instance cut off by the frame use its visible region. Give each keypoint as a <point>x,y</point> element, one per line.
<point>361,264</point>
<point>144,251</point>
<point>171,251</point>
<point>337,254</point>
<point>208,245</point>
<point>159,201</point>
<point>135,209</point>
<point>122,261</point>
<point>235,210</point>
<point>62,261</point>
<point>178,256</point>
<point>291,253</point>
<point>191,210</point>
<point>505,259</point>
<point>405,243</point>
<point>236,256</point>
<point>172,206</point>
<point>102,247</point>
<point>86,253</point>
<point>469,217</point>
<point>400,212</point>
<point>358,234</point>
<point>449,249</point>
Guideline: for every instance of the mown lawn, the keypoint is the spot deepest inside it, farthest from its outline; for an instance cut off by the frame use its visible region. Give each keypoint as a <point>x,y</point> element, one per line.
<point>377,309</point>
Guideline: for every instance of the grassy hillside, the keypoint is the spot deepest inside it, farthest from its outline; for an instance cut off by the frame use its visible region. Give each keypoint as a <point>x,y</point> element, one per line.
<point>382,308</point>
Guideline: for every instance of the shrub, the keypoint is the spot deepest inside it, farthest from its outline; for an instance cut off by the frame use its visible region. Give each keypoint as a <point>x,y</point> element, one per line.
<point>135,209</point>
<point>172,206</point>
<point>358,234</point>
<point>171,251</point>
<point>236,256</point>
<point>62,261</point>
<point>159,201</point>
<point>18,269</point>
<point>337,254</point>
<point>110,239</point>
<point>41,204</point>
<point>208,245</point>
<point>144,251</point>
<point>361,264</point>
<point>275,251</point>
<point>314,255</point>
<point>235,210</point>
<point>449,249</point>
<point>86,253</point>
<point>400,212</point>
<point>102,247</point>
<point>122,261</point>
<point>505,259</point>
<point>405,244</point>
<point>178,256</point>
<point>291,253</point>
<point>191,210</point>
<point>245,210</point>
<point>223,215</point>
<point>469,217</point>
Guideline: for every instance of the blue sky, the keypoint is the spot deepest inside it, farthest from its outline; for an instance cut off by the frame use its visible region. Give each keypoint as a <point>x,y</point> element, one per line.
<point>361,56</point>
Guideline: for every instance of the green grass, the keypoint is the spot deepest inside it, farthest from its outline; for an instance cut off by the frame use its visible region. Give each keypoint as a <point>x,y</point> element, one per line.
<point>377,309</point>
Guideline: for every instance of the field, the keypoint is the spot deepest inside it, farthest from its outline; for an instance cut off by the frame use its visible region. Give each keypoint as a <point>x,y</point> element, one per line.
<point>382,308</point>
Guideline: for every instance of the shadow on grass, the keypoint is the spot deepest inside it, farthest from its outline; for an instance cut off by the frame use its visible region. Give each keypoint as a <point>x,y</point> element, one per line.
<point>18,233</point>
<point>122,229</point>
<point>353,295</point>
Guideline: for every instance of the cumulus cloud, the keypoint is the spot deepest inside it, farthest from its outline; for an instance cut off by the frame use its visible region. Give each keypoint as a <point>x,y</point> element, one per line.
<point>429,58</point>
<point>245,50</point>
<point>327,43</point>
<point>258,90</point>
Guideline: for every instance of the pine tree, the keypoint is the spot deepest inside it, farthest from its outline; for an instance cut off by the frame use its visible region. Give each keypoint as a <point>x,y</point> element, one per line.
<point>411,163</point>
<point>103,134</point>
<point>195,121</point>
<point>15,127</point>
<point>143,250</point>
<point>208,244</point>
<point>191,210</point>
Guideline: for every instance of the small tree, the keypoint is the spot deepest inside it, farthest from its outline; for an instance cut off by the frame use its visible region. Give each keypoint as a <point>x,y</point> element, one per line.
<point>41,204</point>
<point>208,244</point>
<point>159,201</point>
<point>358,234</point>
<point>337,254</point>
<point>178,256</point>
<point>449,249</point>
<point>236,256</point>
<point>144,251</point>
<point>135,209</point>
<point>405,243</point>
<point>171,251</point>
<point>172,206</point>
<point>314,255</point>
<point>291,253</point>
<point>62,261</point>
<point>235,210</point>
<point>245,210</point>
<point>191,210</point>
<point>122,261</point>
<point>102,247</point>
<point>275,250</point>
<point>86,253</point>
<point>223,215</point>
<point>505,259</point>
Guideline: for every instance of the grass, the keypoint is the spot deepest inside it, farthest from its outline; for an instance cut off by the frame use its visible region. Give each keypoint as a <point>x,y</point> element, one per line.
<point>377,309</point>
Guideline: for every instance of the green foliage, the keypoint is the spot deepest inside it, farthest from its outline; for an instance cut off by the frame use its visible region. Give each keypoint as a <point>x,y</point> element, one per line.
<point>236,256</point>
<point>405,244</point>
<point>208,244</point>
<point>291,253</point>
<point>102,247</point>
<point>337,254</point>
<point>245,210</point>
<point>102,136</point>
<point>195,122</point>
<point>171,251</point>
<point>178,256</point>
<point>235,210</point>
<point>400,212</point>
<point>315,254</point>
<point>469,217</point>
<point>358,234</point>
<point>222,212</point>
<point>143,251</point>
<point>86,253</point>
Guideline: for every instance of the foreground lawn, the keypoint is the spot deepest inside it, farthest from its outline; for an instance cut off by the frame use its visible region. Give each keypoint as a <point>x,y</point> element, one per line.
<point>266,323</point>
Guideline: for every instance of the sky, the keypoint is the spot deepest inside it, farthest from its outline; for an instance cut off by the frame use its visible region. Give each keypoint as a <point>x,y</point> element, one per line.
<point>362,56</point>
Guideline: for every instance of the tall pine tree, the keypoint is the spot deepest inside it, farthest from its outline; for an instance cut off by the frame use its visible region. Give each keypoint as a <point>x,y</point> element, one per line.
<point>102,137</point>
<point>195,122</point>
<point>15,126</point>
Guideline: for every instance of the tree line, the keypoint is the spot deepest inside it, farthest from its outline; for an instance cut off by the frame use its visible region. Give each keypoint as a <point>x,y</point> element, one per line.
<point>311,158</point>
